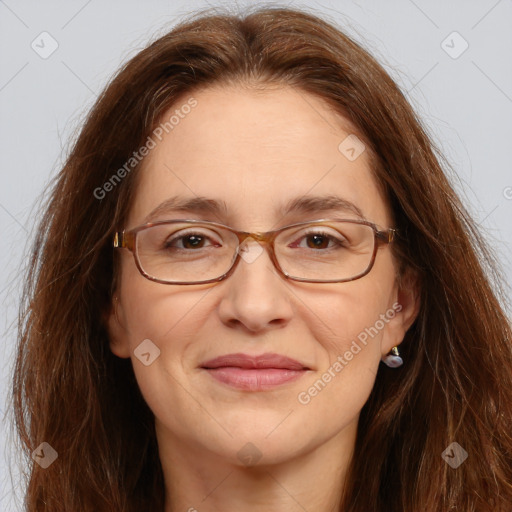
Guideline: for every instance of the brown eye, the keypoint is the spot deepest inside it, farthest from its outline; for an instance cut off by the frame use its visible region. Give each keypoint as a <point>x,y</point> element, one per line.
<point>317,241</point>
<point>188,242</point>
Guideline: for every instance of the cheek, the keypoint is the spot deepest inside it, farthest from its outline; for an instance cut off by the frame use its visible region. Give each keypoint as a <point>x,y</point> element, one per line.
<point>351,313</point>
<point>171,321</point>
<point>349,323</point>
<point>158,312</point>
<point>162,321</point>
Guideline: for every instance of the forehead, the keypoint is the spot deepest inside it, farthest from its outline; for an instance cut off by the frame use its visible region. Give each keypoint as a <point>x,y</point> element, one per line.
<point>255,151</point>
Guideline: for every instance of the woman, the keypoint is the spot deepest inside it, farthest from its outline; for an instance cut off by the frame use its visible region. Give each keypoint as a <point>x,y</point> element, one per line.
<point>254,288</point>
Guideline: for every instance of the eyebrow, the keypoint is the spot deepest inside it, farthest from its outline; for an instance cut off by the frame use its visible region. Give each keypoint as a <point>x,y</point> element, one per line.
<point>188,204</point>
<point>313,204</point>
<point>304,204</point>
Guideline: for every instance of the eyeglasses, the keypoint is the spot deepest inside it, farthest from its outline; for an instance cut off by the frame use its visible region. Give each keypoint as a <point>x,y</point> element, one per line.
<point>198,252</point>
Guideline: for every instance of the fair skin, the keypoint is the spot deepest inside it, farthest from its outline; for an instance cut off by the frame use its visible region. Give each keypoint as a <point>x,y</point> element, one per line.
<point>256,151</point>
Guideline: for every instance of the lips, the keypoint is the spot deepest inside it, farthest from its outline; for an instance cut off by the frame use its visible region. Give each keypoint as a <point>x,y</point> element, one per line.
<point>254,373</point>
<point>254,362</point>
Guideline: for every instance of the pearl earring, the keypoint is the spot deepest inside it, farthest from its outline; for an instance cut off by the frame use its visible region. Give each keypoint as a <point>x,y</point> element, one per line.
<point>393,359</point>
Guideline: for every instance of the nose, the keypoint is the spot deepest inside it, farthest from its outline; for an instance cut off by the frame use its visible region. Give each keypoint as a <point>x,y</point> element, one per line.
<point>255,297</point>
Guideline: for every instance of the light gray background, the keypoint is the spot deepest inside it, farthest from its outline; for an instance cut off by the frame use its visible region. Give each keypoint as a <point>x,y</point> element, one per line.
<point>466,103</point>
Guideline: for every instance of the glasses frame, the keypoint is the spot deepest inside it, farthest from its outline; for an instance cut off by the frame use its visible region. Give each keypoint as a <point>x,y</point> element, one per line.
<point>127,240</point>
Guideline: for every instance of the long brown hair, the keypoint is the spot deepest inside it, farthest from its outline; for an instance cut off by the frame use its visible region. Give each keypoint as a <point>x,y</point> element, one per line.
<point>70,391</point>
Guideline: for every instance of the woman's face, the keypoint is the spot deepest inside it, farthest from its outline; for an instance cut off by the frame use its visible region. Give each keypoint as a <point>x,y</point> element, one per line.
<point>256,152</point>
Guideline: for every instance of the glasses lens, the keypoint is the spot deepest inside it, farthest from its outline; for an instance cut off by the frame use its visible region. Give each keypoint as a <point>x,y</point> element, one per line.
<point>330,251</point>
<point>185,252</point>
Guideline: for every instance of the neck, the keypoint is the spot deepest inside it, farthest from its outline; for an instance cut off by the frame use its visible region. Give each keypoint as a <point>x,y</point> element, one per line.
<point>203,481</point>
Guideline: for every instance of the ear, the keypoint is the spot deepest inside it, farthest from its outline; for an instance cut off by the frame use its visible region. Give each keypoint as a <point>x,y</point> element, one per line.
<point>118,335</point>
<point>406,307</point>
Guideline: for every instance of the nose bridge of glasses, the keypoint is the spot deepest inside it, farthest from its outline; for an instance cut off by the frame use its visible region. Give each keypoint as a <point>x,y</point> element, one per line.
<point>250,245</point>
<point>258,237</point>
<point>251,248</point>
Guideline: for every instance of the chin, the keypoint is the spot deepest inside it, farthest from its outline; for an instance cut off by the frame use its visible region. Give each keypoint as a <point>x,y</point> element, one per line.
<point>266,446</point>
<point>258,453</point>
